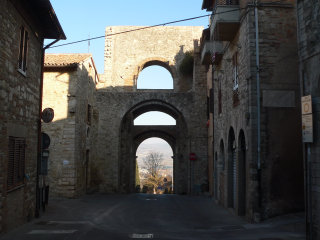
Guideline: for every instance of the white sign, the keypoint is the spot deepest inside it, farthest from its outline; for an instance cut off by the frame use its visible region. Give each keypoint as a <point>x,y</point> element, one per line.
<point>307,128</point>
<point>306,105</point>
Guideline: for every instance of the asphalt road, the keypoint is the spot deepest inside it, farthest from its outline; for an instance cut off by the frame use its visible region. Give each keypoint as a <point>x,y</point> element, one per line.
<point>142,216</point>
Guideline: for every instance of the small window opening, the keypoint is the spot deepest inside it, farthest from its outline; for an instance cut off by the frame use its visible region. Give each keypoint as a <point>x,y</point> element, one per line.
<point>23,50</point>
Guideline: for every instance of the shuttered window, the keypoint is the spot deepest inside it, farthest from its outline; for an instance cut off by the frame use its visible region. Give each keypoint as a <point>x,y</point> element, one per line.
<point>16,162</point>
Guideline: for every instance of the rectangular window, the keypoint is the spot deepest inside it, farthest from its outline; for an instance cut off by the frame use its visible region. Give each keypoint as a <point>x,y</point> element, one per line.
<point>16,162</point>
<point>235,71</point>
<point>219,96</point>
<point>89,113</point>
<point>23,50</point>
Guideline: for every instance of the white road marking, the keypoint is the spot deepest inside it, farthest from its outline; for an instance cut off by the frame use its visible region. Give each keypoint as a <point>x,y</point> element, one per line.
<point>141,236</point>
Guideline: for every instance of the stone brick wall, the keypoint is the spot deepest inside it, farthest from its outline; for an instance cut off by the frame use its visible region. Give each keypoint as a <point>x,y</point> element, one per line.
<point>19,112</point>
<point>125,56</point>
<point>280,120</point>
<point>235,116</point>
<point>309,52</point>
<point>122,67</point>
<point>280,113</point>
<point>68,92</point>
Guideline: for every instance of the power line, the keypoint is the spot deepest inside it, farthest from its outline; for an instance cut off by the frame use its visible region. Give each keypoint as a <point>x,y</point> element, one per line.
<point>162,24</point>
<point>143,28</point>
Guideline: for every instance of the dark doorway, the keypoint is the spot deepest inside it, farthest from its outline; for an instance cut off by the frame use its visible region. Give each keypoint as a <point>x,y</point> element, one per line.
<point>242,179</point>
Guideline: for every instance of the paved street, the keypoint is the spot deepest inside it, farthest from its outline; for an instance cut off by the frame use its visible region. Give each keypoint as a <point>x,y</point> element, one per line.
<point>142,216</point>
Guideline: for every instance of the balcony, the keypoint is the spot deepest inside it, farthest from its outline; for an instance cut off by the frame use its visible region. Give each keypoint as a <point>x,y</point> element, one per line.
<point>225,20</point>
<point>212,53</point>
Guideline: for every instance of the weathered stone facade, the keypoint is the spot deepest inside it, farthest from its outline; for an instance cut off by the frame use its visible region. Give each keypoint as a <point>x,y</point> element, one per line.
<point>69,88</point>
<point>20,86</point>
<point>309,53</point>
<point>119,102</point>
<point>276,187</point>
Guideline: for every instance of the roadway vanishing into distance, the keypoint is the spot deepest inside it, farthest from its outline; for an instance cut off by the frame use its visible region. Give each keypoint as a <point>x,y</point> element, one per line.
<point>144,216</point>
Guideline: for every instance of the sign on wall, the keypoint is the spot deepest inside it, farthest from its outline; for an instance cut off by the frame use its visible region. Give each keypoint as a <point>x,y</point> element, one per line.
<point>307,119</point>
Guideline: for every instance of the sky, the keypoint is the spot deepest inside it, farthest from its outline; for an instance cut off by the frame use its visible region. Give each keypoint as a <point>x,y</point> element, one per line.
<point>83,19</point>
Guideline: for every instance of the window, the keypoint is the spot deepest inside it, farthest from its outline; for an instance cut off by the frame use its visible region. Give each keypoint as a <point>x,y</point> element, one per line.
<point>219,96</point>
<point>235,94</point>
<point>23,50</point>
<point>235,71</point>
<point>89,112</point>
<point>16,162</point>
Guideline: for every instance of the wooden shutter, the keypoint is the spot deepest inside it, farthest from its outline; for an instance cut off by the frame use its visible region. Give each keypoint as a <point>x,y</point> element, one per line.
<point>16,162</point>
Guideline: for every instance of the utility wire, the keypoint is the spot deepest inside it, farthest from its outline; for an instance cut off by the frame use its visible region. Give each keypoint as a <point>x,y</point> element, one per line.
<point>157,25</point>
<point>143,28</point>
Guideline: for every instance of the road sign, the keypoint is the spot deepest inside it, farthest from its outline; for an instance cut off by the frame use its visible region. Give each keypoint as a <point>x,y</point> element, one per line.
<point>307,128</point>
<point>306,105</point>
<point>47,115</point>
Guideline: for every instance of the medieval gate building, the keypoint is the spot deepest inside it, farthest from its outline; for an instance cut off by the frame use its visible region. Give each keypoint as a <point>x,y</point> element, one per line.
<point>119,102</point>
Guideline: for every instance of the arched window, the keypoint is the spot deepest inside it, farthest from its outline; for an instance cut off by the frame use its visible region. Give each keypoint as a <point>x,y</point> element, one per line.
<point>154,118</point>
<point>155,77</point>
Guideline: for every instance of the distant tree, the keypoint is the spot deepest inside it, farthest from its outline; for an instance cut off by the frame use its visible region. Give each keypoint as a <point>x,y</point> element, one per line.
<point>153,164</point>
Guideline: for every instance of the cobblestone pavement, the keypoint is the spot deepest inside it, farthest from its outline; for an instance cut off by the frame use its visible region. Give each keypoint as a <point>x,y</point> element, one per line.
<point>142,216</point>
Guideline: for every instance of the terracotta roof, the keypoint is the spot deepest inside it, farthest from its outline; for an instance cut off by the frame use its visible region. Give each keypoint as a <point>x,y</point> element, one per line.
<point>65,59</point>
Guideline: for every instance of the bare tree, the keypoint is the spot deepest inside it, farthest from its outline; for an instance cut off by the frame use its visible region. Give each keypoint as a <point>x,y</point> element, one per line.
<point>153,164</point>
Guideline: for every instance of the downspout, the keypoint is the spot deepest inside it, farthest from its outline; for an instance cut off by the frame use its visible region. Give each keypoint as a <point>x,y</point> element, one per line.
<point>37,211</point>
<point>305,148</point>
<point>258,102</point>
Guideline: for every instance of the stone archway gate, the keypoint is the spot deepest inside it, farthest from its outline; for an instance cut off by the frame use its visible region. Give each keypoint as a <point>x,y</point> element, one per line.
<point>118,102</point>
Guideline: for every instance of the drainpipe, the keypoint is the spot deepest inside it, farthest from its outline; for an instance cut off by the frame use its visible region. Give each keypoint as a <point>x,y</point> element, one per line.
<point>258,101</point>
<point>37,211</point>
<point>306,148</point>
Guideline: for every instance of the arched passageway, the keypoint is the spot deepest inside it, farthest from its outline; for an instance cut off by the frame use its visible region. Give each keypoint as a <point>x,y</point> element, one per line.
<point>133,135</point>
<point>154,167</point>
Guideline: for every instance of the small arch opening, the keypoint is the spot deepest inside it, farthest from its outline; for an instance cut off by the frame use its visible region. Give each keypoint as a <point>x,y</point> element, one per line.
<point>155,77</point>
<point>154,167</point>
<point>154,118</point>
<point>232,169</point>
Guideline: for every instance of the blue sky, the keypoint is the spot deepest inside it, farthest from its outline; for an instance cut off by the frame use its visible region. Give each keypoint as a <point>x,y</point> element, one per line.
<point>81,19</point>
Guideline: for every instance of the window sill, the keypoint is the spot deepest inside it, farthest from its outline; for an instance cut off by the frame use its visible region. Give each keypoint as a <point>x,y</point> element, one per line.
<point>15,188</point>
<point>22,72</point>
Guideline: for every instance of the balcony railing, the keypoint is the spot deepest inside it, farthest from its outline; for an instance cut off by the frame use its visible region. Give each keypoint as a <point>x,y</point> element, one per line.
<point>212,53</point>
<point>225,20</point>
